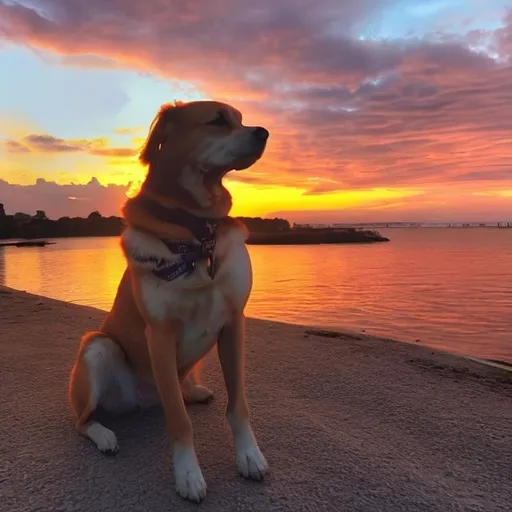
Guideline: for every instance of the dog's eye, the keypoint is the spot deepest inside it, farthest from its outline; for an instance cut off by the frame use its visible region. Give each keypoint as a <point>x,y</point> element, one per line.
<point>220,120</point>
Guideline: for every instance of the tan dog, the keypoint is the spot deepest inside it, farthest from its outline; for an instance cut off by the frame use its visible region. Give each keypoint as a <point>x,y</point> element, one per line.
<point>184,290</point>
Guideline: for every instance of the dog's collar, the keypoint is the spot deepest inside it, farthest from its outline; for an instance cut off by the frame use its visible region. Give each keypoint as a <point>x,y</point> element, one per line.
<point>189,255</point>
<point>189,252</point>
<point>200,227</point>
<point>170,270</point>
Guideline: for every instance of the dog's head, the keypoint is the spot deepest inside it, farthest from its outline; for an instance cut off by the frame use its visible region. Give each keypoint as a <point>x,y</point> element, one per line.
<point>191,147</point>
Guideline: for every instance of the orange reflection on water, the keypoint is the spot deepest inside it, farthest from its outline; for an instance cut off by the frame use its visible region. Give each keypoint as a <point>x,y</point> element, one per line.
<point>448,288</point>
<point>81,270</point>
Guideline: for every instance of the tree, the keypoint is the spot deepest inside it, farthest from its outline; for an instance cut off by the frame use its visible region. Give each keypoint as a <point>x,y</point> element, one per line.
<point>40,214</point>
<point>2,210</point>
<point>94,215</point>
<point>21,216</point>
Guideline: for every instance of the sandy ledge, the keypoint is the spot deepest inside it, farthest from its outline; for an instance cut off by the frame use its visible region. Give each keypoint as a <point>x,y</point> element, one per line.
<point>347,424</point>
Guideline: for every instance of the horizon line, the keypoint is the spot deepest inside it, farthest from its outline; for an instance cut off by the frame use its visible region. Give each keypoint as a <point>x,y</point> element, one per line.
<point>495,223</point>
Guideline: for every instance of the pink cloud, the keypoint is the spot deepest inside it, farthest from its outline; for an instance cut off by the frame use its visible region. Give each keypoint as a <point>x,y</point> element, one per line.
<point>63,200</point>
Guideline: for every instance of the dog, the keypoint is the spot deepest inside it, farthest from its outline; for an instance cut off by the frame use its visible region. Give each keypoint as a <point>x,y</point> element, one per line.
<point>184,290</point>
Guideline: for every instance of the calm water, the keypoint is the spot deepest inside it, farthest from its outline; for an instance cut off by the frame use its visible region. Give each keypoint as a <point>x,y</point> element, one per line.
<point>448,288</point>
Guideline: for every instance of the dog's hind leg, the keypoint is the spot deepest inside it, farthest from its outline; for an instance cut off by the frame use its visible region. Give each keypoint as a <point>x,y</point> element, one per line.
<point>100,377</point>
<point>193,391</point>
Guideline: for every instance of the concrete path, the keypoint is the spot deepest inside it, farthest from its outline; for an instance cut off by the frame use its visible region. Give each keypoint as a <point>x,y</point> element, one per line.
<point>348,424</point>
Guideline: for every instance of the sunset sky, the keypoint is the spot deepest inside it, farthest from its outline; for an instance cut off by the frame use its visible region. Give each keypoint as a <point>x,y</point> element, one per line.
<point>379,110</point>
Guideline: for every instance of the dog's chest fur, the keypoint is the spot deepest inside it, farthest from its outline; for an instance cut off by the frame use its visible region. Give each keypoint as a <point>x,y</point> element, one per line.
<point>204,304</point>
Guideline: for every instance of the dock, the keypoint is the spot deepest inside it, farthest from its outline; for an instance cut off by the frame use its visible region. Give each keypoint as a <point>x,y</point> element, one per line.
<point>27,243</point>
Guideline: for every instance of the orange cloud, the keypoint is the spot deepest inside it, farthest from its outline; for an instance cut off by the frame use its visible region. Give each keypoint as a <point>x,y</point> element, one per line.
<point>44,143</point>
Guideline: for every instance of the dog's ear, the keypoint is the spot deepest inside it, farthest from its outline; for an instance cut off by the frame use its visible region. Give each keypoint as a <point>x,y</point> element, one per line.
<point>158,132</point>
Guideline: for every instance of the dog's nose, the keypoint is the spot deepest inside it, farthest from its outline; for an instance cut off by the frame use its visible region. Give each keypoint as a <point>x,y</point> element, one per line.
<point>260,133</point>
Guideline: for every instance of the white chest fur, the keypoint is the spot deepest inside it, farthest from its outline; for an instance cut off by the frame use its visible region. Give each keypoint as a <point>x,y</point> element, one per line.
<point>205,304</point>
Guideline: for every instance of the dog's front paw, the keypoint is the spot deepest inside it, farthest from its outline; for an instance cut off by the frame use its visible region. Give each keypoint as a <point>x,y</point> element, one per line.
<point>190,483</point>
<point>251,462</point>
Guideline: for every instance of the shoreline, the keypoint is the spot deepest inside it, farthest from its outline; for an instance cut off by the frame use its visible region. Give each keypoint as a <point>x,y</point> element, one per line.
<point>312,236</point>
<point>367,423</point>
<point>330,332</point>
<point>265,231</point>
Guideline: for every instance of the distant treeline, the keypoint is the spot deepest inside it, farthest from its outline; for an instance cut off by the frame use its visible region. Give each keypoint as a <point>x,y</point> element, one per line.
<point>23,225</point>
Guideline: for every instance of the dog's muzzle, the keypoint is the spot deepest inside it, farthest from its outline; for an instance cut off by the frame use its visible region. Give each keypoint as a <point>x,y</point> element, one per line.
<point>260,133</point>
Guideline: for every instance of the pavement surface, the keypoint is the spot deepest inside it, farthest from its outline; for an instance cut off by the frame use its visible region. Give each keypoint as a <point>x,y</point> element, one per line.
<point>347,424</point>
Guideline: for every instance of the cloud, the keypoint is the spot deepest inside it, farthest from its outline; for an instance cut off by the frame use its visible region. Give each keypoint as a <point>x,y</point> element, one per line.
<point>130,130</point>
<point>324,188</point>
<point>63,200</point>
<point>50,144</point>
<point>355,112</point>
<point>89,61</point>
<point>45,143</point>
<point>195,40</point>
<point>410,131</point>
<point>13,146</point>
